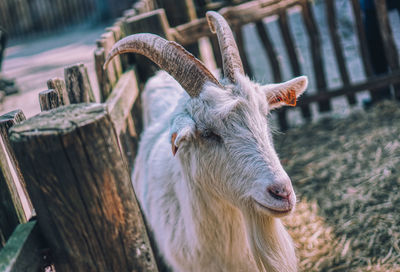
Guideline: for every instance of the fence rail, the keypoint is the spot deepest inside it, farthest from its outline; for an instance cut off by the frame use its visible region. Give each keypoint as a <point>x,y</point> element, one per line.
<point>110,131</point>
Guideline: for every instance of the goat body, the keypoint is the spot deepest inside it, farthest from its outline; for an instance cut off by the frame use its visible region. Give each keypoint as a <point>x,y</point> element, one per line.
<point>207,176</point>
<point>195,227</point>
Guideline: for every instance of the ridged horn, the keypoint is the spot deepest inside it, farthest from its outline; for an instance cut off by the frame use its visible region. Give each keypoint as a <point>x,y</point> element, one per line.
<point>169,56</point>
<point>230,54</point>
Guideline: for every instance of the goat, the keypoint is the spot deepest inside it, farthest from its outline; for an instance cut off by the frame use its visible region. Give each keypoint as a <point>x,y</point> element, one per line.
<point>215,200</point>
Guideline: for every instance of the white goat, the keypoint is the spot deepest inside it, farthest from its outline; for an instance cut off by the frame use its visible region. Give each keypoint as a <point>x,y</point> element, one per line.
<point>214,202</point>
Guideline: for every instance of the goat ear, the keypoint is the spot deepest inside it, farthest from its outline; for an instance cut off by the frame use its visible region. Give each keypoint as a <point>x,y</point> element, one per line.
<point>183,127</point>
<point>173,145</point>
<point>285,93</point>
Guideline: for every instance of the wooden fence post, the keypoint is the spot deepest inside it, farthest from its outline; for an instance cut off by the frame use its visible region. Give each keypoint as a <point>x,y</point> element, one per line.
<point>152,22</point>
<point>316,52</point>
<point>81,188</point>
<point>58,85</point>
<point>389,44</point>
<point>78,85</point>
<point>15,205</point>
<point>48,100</point>
<point>179,12</point>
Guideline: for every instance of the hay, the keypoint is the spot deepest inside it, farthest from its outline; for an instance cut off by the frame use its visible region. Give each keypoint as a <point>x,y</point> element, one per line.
<point>347,176</point>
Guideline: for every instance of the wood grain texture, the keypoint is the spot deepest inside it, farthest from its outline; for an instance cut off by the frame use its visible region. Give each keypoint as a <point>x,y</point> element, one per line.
<point>78,84</point>
<point>48,100</point>
<point>120,105</point>
<point>58,84</point>
<point>151,22</point>
<point>106,41</point>
<point>101,74</point>
<point>15,205</point>
<point>81,188</point>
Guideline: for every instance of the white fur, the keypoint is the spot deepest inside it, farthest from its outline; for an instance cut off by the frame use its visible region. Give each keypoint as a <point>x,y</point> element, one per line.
<point>200,203</point>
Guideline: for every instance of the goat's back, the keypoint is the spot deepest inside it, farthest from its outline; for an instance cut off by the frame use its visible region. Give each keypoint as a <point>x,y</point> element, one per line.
<point>160,97</point>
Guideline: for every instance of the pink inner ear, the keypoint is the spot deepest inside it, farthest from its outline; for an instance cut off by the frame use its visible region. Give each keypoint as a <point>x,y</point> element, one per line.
<point>287,96</point>
<point>173,146</point>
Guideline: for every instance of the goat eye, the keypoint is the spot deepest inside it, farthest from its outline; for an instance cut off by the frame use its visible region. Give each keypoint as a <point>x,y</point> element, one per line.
<point>208,134</point>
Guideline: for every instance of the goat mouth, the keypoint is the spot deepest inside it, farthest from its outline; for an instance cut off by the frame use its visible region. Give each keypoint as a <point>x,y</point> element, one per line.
<point>273,211</point>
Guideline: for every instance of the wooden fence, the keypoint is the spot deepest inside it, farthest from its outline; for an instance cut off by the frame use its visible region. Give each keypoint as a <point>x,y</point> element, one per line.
<point>28,17</point>
<point>72,163</point>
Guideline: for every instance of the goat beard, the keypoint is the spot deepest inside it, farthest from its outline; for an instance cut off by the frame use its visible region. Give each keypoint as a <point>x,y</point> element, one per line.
<point>270,244</point>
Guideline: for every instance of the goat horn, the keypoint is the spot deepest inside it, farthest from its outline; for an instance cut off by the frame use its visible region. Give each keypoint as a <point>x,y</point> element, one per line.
<point>230,53</point>
<point>169,56</point>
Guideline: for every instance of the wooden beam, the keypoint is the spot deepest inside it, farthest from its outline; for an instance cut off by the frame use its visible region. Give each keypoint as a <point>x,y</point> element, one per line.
<point>236,16</point>
<point>58,85</point>
<point>103,80</point>
<point>333,31</point>
<point>152,22</point>
<point>78,84</point>
<point>120,104</point>
<point>316,52</point>
<point>82,191</point>
<point>389,44</point>
<point>283,22</point>
<point>15,205</point>
<point>373,84</point>
<point>242,51</point>
<point>48,100</point>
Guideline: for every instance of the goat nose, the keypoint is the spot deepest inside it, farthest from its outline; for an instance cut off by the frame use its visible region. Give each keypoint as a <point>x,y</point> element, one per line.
<point>279,192</point>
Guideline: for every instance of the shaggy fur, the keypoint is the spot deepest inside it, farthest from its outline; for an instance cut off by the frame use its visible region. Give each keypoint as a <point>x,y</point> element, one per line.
<point>206,205</point>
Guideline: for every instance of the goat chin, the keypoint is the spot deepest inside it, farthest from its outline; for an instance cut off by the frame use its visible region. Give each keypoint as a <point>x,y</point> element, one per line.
<point>269,242</point>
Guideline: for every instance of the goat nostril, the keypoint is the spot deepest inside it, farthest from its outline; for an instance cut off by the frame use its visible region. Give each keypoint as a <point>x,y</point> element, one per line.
<point>278,192</point>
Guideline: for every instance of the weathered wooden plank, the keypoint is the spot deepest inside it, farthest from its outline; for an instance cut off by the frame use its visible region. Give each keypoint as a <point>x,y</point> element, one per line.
<point>389,44</point>
<point>119,33</point>
<point>151,22</point>
<point>216,51</point>
<point>316,52</point>
<point>374,84</point>
<point>242,52</point>
<point>24,249</point>
<point>120,105</point>
<point>276,68</point>
<point>106,41</point>
<point>81,188</point>
<point>269,50</point>
<point>362,40</point>
<point>78,84</point>
<point>283,23</point>
<point>102,75</point>
<point>116,32</point>
<point>121,100</point>
<point>236,16</point>
<point>179,12</point>
<point>289,43</point>
<point>333,31</point>
<point>48,100</point>
<point>15,205</point>
<point>58,85</point>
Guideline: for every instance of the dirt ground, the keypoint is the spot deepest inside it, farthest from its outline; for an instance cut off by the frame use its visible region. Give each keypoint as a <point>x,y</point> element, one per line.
<point>33,62</point>
<point>346,175</point>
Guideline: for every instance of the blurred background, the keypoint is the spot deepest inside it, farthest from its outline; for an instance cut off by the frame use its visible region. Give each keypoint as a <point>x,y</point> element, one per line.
<point>340,146</point>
